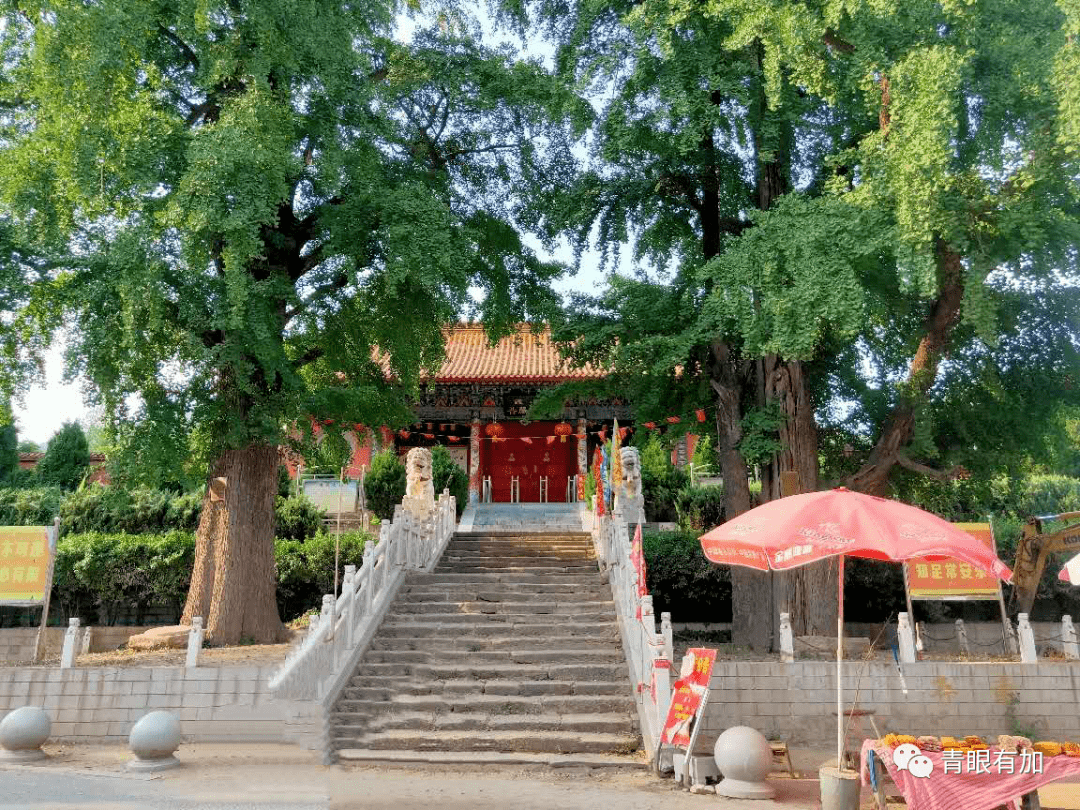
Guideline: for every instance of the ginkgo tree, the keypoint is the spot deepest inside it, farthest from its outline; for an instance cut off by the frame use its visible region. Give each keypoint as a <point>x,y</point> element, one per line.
<point>819,185</point>
<point>231,205</point>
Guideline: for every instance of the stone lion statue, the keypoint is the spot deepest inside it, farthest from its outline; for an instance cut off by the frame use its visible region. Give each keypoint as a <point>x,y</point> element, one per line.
<point>630,498</point>
<point>419,489</point>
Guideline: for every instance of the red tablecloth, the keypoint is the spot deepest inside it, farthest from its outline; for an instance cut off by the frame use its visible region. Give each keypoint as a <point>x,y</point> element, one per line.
<point>970,791</point>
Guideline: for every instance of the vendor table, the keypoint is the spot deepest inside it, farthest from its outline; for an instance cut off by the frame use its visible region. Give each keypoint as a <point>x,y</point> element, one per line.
<point>970,789</point>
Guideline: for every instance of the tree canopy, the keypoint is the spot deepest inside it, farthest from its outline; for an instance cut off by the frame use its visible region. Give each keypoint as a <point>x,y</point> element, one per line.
<point>233,204</point>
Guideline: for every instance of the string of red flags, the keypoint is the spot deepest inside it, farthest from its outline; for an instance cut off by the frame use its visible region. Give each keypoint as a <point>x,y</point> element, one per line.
<point>496,431</point>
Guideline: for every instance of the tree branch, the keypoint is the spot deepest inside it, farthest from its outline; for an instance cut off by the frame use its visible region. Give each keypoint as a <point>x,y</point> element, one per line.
<point>340,282</point>
<point>185,49</point>
<point>941,475</point>
<point>310,356</point>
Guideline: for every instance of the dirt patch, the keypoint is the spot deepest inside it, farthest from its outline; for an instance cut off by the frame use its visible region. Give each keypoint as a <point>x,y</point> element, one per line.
<point>248,655</point>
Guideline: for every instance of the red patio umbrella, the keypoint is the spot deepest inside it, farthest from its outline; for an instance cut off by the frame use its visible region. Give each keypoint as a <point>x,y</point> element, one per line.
<point>1070,572</point>
<point>802,529</point>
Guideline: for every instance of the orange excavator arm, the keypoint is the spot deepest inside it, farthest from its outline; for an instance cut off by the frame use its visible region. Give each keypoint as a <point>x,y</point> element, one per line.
<point>1031,553</point>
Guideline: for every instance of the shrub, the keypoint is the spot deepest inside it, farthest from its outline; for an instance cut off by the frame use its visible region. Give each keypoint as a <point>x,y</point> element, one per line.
<point>700,508</point>
<point>682,581</point>
<point>661,488</point>
<point>297,518</point>
<point>98,508</point>
<point>30,507</point>
<point>305,569</point>
<point>1048,495</point>
<point>112,573</point>
<point>446,474</point>
<point>67,458</point>
<point>384,484</point>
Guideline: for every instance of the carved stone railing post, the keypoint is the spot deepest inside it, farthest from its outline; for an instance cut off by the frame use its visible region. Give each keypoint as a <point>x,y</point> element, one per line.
<point>71,644</point>
<point>349,588</point>
<point>665,631</point>
<point>326,617</point>
<point>1028,653</point>
<point>369,584</point>
<point>87,640</point>
<point>194,643</point>
<point>1069,647</point>
<point>787,640</point>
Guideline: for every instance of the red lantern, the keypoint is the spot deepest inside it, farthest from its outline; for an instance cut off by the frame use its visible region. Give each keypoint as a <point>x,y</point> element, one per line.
<point>562,430</point>
<point>404,434</point>
<point>494,430</point>
<point>700,414</point>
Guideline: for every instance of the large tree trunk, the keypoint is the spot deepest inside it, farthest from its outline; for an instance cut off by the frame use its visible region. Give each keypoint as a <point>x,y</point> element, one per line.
<point>798,591</point>
<point>749,616</point>
<point>234,582</point>
<point>873,477</point>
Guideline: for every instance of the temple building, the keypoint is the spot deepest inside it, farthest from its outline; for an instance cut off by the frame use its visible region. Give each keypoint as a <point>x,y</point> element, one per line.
<point>477,406</point>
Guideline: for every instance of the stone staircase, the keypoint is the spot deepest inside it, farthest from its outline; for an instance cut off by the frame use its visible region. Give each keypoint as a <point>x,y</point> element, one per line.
<point>509,645</point>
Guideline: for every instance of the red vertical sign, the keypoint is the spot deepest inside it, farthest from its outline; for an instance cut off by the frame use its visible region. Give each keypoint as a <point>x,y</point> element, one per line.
<point>686,697</point>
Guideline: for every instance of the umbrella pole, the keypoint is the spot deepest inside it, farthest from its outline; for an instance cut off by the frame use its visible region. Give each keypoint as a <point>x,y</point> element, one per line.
<point>840,665</point>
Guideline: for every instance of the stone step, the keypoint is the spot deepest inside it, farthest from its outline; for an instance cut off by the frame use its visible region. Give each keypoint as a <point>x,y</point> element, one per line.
<point>357,701</point>
<point>346,724</point>
<point>506,642</point>
<point>509,672</point>
<point>488,760</point>
<point>538,741</point>
<point>510,592</point>
<point>540,570</point>
<point>567,607</point>
<point>491,578</point>
<point>406,626</point>
<point>467,657</point>
<point>383,687</point>
<point>575,616</point>
<point>544,555</point>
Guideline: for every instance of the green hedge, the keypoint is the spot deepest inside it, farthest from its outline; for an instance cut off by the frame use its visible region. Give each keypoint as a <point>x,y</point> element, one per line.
<point>682,581</point>
<point>101,577</point>
<point>110,509</point>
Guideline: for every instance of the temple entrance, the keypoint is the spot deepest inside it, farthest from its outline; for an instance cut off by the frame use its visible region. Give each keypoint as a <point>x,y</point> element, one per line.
<point>524,451</point>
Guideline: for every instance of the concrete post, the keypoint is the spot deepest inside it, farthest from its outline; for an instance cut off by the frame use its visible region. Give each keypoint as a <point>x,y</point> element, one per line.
<point>787,640</point>
<point>906,639</point>
<point>86,641</point>
<point>194,642</point>
<point>1028,654</point>
<point>1012,644</point>
<point>961,637</point>
<point>71,644</point>
<point>920,631</point>
<point>1068,638</point>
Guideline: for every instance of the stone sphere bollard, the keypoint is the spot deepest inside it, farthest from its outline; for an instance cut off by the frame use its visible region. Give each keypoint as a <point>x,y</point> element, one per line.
<point>744,758</point>
<point>154,740</point>
<point>22,733</point>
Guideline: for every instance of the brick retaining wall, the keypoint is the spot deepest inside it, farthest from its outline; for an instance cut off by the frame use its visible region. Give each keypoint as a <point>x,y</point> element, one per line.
<point>797,702</point>
<point>214,704</point>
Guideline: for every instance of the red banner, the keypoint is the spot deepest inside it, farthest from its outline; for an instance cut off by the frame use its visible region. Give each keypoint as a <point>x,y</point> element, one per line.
<point>686,698</point>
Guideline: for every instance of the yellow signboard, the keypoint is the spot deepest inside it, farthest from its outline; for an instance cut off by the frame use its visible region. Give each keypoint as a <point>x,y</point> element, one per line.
<point>948,578</point>
<point>25,557</point>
